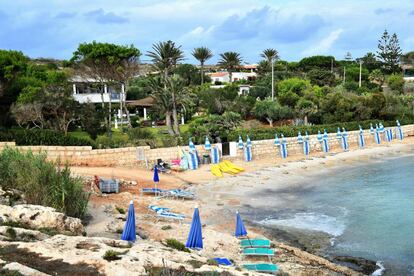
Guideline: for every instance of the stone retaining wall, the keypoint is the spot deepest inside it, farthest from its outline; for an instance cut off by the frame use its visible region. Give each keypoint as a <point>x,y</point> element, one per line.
<point>141,156</point>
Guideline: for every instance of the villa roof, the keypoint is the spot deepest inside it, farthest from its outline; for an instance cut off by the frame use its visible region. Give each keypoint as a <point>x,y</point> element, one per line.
<point>145,102</point>
<point>219,74</point>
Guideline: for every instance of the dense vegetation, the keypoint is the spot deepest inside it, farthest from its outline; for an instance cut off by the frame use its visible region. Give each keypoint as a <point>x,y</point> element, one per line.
<point>36,106</point>
<point>42,182</point>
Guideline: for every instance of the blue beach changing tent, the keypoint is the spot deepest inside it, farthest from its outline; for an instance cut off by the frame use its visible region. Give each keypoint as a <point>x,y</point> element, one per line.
<point>215,155</point>
<point>129,233</point>
<point>240,229</point>
<point>361,139</point>
<point>207,144</point>
<point>195,238</point>
<point>248,154</point>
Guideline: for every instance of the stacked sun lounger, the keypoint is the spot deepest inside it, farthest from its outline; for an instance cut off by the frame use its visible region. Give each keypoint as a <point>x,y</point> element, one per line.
<point>108,185</point>
<point>258,248</point>
<point>165,213</point>
<point>174,193</point>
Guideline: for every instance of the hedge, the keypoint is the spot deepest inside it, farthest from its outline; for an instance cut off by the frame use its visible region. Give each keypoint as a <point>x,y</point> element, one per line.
<point>291,131</point>
<point>28,137</point>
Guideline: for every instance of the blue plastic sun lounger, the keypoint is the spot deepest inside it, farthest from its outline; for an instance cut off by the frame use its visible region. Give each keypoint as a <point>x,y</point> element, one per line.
<point>169,215</point>
<point>255,243</point>
<point>258,252</point>
<point>152,191</point>
<point>158,209</point>
<point>262,267</point>
<point>178,193</point>
<point>223,261</point>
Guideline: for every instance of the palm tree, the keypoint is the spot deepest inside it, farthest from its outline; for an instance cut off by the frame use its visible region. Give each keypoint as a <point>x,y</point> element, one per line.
<point>271,55</point>
<point>202,54</point>
<point>165,56</point>
<point>230,61</point>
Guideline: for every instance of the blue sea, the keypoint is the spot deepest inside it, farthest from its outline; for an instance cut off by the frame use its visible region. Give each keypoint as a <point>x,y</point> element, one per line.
<point>367,208</point>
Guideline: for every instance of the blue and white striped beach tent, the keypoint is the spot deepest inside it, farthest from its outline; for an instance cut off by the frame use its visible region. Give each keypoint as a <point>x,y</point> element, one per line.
<point>192,160</point>
<point>248,142</point>
<point>377,137</point>
<point>399,131</point>
<point>248,154</point>
<point>215,155</point>
<point>300,138</point>
<point>191,145</point>
<point>388,135</point>
<point>344,140</point>
<point>338,134</point>
<point>361,138</point>
<point>283,148</point>
<point>325,142</point>
<point>371,129</point>
<point>207,144</point>
<point>319,136</point>
<point>277,142</point>
<point>240,144</point>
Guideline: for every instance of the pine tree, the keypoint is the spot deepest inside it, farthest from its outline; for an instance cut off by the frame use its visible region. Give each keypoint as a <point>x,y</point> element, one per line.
<point>389,52</point>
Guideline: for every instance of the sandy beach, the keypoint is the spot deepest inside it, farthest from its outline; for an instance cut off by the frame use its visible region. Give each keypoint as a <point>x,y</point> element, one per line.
<point>219,198</point>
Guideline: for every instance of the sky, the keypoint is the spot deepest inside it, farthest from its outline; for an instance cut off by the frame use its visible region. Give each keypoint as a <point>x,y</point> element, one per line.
<point>296,28</point>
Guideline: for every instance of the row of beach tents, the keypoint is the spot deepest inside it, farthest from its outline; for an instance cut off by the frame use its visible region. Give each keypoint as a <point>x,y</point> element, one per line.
<point>379,130</point>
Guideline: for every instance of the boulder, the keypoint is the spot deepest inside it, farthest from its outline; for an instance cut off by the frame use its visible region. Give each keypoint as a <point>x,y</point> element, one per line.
<point>36,217</point>
<point>21,234</point>
<point>24,270</point>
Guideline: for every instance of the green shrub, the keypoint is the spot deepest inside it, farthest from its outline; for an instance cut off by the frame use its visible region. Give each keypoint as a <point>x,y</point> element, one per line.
<point>166,227</point>
<point>27,137</point>
<point>173,243</point>
<point>120,210</point>
<point>116,141</point>
<point>11,233</point>
<point>43,182</point>
<point>195,263</point>
<point>111,255</point>
<point>7,272</point>
<point>212,262</point>
<point>48,231</point>
<point>140,134</point>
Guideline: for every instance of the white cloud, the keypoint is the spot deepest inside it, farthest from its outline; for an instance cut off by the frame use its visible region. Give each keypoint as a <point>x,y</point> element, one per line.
<point>325,45</point>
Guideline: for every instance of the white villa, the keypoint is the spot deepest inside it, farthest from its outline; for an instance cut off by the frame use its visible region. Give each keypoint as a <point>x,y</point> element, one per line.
<point>89,90</point>
<point>248,73</point>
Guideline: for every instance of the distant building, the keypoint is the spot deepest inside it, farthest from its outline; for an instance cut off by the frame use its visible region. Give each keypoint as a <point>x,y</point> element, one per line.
<point>244,89</point>
<point>89,90</point>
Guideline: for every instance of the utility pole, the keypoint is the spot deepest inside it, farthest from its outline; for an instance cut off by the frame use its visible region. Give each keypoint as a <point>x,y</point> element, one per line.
<point>360,73</point>
<point>273,81</point>
<point>332,65</point>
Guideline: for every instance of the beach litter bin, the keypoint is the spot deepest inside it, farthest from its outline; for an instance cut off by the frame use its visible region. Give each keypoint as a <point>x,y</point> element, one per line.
<point>206,159</point>
<point>109,185</point>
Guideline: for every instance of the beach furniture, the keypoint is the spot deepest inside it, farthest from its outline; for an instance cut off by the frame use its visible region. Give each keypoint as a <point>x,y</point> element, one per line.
<point>283,149</point>
<point>191,145</point>
<point>255,243</point>
<point>164,213</point>
<point>377,137</point>
<point>300,138</point>
<point>158,209</point>
<point>248,142</point>
<point>108,185</point>
<point>129,232</point>
<point>192,160</point>
<point>277,142</point>
<point>258,252</point>
<point>361,139</point>
<point>178,193</point>
<point>306,147</point>
<point>240,143</point>
<point>223,261</point>
<point>215,155</point>
<point>248,154</point>
<point>262,267</point>
<point>215,169</point>
<point>152,191</point>
<point>226,169</point>
<point>240,229</point>
<point>195,237</point>
<point>399,131</point>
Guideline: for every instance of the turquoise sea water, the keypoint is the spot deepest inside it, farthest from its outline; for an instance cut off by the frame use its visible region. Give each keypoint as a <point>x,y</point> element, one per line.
<point>368,208</point>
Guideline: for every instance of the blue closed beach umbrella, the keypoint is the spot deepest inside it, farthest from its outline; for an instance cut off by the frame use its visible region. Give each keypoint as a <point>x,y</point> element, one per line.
<point>361,139</point>
<point>388,135</point>
<point>399,131</point>
<point>319,136</point>
<point>325,142</point>
<point>377,137</point>
<point>306,148</point>
<point>248,142</point>
<point>191,145</point>
<point>207,145</point>
<point>240,229</point>
<point>325,135</point>
<point>371,129</point>
<point>215,155</point>
<point>156,178</point>
<point>381,128</point>
<point>195,237</point>
<point>192,160</point>
<point>241,146</point>
<point>300,138</point>
<point>129,234</point>
<point>277,142</point>
<point>344,143</point>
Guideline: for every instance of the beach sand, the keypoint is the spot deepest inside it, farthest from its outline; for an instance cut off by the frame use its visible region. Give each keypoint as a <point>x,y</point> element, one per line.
<point>219,198</point>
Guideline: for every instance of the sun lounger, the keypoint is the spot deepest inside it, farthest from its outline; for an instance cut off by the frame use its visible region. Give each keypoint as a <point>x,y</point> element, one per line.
<point>260,251</point>
<point>224,168</point>
<point>262,267</point>
<point>178,193</point>
<point>152,191</point>
<point>255,243</point>
<point>169,215</point>
<point>158,209</point>
<point>223,261</point>
<point>231,165</point>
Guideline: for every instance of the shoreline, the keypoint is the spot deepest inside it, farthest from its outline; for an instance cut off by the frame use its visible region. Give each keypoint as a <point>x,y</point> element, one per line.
<point>219,198</point>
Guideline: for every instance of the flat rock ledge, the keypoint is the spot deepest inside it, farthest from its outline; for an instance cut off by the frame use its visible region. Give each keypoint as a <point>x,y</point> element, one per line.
<point>37,217</point>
